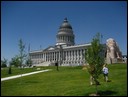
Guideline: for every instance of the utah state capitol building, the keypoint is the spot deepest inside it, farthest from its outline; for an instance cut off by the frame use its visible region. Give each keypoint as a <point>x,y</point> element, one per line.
<point>64,52</point>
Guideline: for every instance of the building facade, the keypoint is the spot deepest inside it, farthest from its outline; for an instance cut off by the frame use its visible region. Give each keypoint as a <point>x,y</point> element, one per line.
<point>64,52</point>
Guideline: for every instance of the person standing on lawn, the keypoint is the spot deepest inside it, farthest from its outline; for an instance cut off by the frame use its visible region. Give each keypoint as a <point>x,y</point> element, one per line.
<point>105,72</point>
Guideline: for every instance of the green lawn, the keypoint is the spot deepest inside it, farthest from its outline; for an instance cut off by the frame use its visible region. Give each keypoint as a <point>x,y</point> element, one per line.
<point>68,81</point>
<point>16,71</point>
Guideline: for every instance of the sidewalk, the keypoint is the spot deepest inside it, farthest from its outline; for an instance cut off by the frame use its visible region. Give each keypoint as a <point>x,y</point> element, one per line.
<point>26,74</point>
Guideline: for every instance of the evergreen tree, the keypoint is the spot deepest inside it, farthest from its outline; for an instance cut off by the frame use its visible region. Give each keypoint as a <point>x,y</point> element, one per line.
<point>95,59</point>
<point>15,61</point>
<point>22,54</point>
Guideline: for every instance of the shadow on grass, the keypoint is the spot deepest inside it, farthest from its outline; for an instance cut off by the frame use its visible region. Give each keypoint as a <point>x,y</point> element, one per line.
<point>106,92</point>
<point>103,93</point>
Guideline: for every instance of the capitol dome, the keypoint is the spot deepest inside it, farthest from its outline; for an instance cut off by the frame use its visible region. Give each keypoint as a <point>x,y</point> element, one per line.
<point>65,34</point>
<point>65,24</point>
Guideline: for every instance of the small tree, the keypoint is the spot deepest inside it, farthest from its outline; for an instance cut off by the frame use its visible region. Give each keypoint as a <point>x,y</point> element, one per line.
<point>4,62</point>
<point>22,54</point>
<point>95,58</point>
<point>15,61</point>
<point>10,69</point>
<point>28,62</point>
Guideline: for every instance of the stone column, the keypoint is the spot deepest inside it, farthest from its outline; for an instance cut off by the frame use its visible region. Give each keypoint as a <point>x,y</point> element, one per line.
<point>77,56</point>
<point>65,55</point>
<point>63,38</point>
<point>69,56</point>
<point>55,56</point>
<point>46,56</point>
<point>73,55</point>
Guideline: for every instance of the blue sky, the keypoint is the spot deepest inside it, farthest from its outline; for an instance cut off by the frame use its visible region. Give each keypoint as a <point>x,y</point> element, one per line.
<point>37,23</point>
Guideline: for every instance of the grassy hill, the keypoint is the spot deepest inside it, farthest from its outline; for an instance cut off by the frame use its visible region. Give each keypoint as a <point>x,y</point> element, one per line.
<point>68,81</point>
<point>17,71</point>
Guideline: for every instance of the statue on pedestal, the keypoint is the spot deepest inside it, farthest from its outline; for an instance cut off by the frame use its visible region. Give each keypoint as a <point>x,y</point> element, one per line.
<point>113,52</point>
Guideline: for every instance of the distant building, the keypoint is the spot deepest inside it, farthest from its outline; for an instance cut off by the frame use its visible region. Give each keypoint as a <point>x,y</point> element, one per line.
<point>65,52</point>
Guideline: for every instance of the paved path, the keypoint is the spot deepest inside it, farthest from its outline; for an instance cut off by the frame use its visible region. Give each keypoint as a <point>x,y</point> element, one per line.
<point>26,74</point>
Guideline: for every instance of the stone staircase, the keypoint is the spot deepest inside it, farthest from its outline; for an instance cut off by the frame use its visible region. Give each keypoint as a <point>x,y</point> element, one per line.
<point>43,64</point>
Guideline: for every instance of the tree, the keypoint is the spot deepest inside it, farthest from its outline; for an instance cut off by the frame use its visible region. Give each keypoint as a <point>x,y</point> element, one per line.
<point>9,70</point>
<point>4,62</point>
<point>15,61</point>
<point>22,54</point>
<point>28,62</point>
<point>95,59</point>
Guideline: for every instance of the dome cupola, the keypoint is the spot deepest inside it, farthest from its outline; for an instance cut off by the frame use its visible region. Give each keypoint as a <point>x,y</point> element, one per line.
<point>65,24</point>
<point>65,34</point>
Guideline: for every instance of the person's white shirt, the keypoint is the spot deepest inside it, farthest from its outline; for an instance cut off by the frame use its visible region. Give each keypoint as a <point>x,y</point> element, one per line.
<point>105,70</point>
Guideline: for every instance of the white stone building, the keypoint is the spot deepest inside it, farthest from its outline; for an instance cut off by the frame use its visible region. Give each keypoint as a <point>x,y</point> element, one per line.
<point>65,52</point>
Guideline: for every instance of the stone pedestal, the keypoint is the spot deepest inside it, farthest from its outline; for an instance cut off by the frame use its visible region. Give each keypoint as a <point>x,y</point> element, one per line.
<point>119,60</point>
<point>114,60</point>
<point>111,60</point>
<point>108,61</point>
